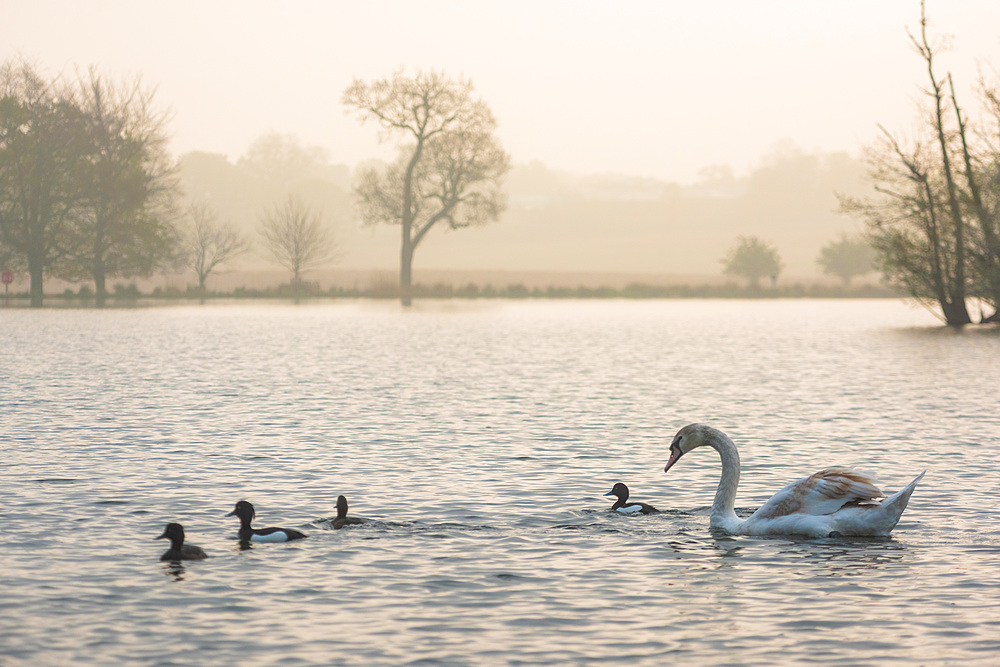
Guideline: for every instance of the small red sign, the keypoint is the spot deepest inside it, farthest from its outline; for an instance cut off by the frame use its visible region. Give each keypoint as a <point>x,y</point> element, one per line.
<point>8,277</point>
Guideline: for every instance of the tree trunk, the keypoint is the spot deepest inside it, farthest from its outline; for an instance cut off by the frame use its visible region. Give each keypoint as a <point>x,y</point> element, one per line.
<point>990,260</point>
<point>406,270</point>
<point>955,313</point>
<point>101,288</point>
<point>37,293</point>
<point>406,223</point>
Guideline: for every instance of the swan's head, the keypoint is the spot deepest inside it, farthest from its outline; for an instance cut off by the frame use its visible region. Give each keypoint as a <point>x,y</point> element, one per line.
<point>689,437</point>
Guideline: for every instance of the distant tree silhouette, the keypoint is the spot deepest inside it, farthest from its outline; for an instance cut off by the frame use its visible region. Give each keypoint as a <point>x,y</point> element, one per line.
<point>209,243</point>
<point>124,218</point>
<point>86,186</point>
<point>752,259</point>
<point>43,143</point>
<point>296,237</point>
<point>450,163</point>
<point>282,159</point>
<point>846,258</point>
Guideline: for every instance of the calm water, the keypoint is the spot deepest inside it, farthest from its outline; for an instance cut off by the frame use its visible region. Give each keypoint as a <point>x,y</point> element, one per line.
<point>479,438</point>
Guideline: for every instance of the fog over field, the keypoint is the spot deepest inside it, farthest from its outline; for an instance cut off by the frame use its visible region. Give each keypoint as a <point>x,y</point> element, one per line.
<point>644,136</point>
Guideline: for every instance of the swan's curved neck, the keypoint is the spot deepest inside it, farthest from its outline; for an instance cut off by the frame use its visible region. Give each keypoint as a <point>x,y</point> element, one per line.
<point>723,512</point>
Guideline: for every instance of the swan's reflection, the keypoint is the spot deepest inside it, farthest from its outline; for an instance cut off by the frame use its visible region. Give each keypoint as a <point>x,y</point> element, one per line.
<point>851,558</point>
<point>719,546</point>
<point>840,557</point>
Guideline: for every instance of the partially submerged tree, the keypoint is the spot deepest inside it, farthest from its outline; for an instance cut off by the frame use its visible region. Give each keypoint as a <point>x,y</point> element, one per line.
<point>846,258</point>
<point>450,164</point>
<point>909,228</point>
<point>753,259</point>
<point>934,225</point>
<point>296,237</point>
<point>982,176</point>
<point>210,243</point>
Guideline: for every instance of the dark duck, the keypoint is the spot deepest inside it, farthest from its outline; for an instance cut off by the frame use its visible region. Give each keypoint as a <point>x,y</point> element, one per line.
<point>246,513</point>
<point>623,505</point>
<point>178,550</point>
<point>342,519</point>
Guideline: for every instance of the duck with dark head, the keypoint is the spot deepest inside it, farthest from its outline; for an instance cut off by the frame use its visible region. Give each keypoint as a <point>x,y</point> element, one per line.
<point>178,550</point>
<point>623,506</point>
<point>342,519</point>
<point>248,534</point>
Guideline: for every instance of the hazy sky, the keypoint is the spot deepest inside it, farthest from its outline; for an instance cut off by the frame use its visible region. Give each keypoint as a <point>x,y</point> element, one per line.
<point>645,87</point>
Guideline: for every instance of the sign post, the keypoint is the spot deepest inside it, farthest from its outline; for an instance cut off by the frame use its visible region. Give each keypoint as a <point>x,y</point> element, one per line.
<point>8,278</point>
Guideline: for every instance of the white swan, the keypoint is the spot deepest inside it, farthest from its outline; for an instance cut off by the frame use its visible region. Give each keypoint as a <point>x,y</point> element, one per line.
<point>833,502</point>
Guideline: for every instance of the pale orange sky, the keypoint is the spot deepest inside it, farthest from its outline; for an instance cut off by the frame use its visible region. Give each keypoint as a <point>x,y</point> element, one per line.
<point>650,88</point>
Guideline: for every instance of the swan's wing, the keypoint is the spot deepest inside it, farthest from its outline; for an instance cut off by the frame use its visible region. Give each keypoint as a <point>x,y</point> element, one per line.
<point>822,493</point>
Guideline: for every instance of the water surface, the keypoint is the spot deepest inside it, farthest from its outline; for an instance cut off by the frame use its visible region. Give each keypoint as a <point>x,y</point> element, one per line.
<point>479,437</point>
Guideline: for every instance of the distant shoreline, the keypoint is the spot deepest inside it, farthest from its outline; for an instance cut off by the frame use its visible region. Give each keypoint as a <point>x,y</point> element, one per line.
<point>131,295</point>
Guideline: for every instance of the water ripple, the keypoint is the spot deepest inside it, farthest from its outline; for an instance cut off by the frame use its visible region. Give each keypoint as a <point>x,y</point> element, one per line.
<point>477,440</point>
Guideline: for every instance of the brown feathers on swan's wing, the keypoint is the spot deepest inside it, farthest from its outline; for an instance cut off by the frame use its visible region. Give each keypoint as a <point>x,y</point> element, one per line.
<point>824,492</point>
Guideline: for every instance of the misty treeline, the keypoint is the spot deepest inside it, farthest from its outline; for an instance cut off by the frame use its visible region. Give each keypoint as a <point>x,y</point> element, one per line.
<point>572,223</point>
<point>88,191</point>
<point>935,222</point>
<point>448,171</point>
<point>86,184</point>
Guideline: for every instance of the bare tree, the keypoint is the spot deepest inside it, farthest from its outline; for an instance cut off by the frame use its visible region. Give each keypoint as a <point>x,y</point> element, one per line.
<point>450,163</point>
<point>955,311</point>
<point>932,227</point>
<point>210,243</point>
<point>982,177</point>
<point>296,237</point>
<point>908,226</point>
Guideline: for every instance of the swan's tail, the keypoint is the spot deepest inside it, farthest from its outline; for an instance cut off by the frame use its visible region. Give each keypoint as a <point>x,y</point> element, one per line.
<point>894,505</point>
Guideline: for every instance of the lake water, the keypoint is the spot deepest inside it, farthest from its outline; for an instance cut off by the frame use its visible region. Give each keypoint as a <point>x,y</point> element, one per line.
<point>479,438</point>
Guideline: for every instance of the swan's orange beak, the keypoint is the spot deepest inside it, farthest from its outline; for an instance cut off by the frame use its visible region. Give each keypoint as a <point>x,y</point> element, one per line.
<point>674,455</point>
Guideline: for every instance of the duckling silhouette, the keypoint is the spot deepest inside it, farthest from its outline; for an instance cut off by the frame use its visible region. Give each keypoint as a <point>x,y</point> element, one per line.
<point>342,518</point>
<point>178,550</point>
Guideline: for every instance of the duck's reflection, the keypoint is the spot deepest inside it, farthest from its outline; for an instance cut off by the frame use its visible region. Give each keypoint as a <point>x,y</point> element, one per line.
<point>174,569</point>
